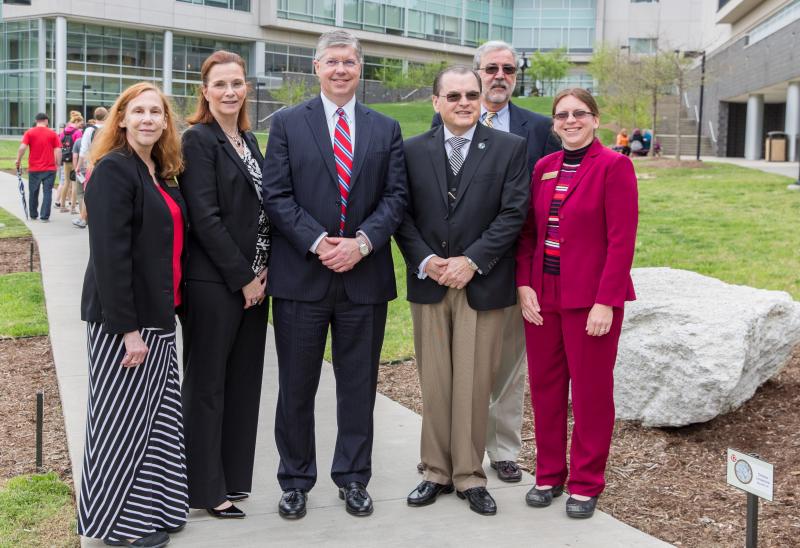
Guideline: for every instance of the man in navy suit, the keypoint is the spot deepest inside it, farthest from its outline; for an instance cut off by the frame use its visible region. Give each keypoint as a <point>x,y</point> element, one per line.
<point>334,190</point>
<point>497,63</point>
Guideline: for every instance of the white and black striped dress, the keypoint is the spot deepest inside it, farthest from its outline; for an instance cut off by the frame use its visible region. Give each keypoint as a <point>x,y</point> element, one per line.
<point>134,468</point>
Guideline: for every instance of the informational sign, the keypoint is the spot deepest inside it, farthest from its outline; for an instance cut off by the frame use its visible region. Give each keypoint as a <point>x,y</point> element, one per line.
<point>750,474</point>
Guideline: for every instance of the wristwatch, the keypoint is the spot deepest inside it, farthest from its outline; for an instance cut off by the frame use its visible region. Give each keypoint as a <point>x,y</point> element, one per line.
<point>363,248</point>
<point>471,264</point>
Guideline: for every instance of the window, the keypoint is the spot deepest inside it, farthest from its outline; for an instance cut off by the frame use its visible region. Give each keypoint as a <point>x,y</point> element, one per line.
<point>238,5</point>
<point>643,45</point>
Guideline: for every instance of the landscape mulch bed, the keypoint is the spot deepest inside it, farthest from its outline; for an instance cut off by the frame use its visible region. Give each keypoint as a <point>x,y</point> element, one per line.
<point>670,482</point>
<point>26,367</point>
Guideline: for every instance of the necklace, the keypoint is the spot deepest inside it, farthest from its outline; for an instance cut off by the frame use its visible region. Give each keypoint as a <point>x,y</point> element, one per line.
<point>236,139</point>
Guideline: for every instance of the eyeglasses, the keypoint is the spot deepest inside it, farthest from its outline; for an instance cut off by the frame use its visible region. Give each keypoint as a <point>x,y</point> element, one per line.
<point>347,63</point>
<point>577,114</point>
<point>494,69</point>
<point>454,96</point>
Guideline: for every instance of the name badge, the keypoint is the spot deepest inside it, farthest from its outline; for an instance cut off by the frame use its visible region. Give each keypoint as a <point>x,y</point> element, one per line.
<point>549,175</point>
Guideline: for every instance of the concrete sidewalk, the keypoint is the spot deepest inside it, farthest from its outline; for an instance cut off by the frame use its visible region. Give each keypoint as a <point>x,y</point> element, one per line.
<point>789,169</point>
<point>449,522</point>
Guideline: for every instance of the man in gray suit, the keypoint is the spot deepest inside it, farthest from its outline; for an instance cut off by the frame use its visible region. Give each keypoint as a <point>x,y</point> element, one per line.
<point>468,197</point>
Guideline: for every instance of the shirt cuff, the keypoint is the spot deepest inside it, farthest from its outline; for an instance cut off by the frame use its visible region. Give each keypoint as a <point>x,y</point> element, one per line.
<point>366,238</point>
<point>313,248</point>
<point>421,274</point>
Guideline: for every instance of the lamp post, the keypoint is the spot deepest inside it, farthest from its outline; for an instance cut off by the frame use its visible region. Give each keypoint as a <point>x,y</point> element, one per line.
<point>700,110</point>
<point>523,67</point>
<point>83,93</point>
<point>259,85</point>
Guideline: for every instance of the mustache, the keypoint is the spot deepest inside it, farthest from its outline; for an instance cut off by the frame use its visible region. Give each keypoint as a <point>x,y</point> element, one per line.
<point>501,84</point>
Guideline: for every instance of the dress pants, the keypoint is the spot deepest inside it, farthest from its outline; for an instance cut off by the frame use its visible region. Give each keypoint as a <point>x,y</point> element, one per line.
<point>507,402</point>
<point>223,359</point>
<point>458,353</point>
<point>560,351</point>
<point>301,330</point>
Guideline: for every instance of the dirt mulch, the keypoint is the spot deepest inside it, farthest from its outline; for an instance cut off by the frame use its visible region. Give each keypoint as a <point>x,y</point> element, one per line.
<point>26,367</point>
<point>15,255</point>
<point>670,483</point>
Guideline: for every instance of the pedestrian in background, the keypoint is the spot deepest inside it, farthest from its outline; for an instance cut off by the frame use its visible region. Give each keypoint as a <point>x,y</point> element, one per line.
<point>43,161</point>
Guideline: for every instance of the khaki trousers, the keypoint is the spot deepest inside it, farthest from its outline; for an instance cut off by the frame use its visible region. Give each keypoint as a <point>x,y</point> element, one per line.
<point>507,402</point>
<point>458,353</point>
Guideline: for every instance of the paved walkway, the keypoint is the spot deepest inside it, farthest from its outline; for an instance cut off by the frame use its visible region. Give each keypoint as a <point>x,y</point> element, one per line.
<point>449,522</point>
<point>789,169</point>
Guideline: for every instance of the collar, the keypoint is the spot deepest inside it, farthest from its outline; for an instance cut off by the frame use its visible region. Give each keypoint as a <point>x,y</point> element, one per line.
<point>502,114</point>
<point>331,108</point>
<point>467,135</point>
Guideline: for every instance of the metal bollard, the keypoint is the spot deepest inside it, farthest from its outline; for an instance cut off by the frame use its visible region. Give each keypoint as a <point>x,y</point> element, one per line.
<point>39,424</point>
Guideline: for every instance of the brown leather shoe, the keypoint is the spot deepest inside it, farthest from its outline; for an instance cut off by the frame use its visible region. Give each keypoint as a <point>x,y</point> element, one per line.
<point>507,470</point>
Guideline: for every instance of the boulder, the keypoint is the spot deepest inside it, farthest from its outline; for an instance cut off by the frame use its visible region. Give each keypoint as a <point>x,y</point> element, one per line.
<point>694,347</point>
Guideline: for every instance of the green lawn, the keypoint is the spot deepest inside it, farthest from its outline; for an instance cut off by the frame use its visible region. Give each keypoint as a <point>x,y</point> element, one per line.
<point>37,511</point>
<point>11,226</point>
<point>8,153</point>
<point>22,311</point>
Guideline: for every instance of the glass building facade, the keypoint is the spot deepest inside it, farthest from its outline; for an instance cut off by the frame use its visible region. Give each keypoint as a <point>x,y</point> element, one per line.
<point>240,5</point>
<point>542,25</point>
<point>459,22</point>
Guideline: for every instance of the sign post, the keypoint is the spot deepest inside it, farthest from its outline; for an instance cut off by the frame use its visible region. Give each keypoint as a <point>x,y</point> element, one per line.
<point>754,476</point>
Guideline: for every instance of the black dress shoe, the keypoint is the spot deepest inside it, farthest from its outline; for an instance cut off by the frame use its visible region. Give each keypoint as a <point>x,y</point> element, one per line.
<point>357,501</point>
<point>153,540</point>
<point>581,509</point>
<point>231,512</point>
<point>293,504</point>
<point>507,470</point>
<point>541,498</point>
<point>480,500</point>
<point>426,493</point>
<point>236,496</point>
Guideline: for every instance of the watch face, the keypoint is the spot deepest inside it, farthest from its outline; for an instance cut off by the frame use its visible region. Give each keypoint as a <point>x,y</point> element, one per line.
<point>743,471</point>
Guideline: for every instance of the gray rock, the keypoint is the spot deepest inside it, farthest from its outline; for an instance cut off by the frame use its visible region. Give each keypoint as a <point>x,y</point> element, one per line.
<point>694,347</point>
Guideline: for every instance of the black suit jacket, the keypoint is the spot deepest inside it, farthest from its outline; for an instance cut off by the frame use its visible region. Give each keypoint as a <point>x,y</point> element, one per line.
<point>301,197</point>
<point>536,129</point>
<point>223,207</point>
<point>486,217</point>
<point>128,281</point>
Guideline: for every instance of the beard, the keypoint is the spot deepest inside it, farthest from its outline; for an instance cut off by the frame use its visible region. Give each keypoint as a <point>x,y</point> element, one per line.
<point>498,92</point>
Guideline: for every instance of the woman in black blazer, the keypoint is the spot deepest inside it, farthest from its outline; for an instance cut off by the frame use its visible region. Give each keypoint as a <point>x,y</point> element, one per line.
<point>225,322</point>
<point>133,487</point>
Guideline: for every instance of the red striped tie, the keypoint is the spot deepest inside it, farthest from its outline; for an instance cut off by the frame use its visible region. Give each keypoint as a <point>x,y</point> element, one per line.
<point>343,154</point>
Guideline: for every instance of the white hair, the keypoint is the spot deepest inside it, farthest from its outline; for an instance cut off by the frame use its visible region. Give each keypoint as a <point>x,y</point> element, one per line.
<point>493,45</point>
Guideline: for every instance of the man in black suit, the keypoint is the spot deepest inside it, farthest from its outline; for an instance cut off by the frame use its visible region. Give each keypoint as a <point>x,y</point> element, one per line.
<point>468,196</point>
<point>335,191</point>
<point>497,63</point>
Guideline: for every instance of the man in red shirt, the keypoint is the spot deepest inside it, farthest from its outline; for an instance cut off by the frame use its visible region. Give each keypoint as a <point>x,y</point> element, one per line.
<point>45,155</point>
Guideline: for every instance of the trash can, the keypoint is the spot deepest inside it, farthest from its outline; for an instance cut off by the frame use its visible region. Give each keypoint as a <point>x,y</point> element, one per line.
<point>775,148</point>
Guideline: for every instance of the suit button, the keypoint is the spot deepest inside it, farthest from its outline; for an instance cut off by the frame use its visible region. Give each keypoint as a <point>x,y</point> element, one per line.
<point>444,244</point>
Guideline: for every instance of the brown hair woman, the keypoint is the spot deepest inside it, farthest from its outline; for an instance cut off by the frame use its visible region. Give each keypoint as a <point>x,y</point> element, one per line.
<point>225,323</point>
<point>133,485</point>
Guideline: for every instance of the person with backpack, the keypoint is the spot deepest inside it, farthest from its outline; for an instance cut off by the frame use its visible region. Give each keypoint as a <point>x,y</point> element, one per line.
<point>71,133</point>
<point>84,164</point>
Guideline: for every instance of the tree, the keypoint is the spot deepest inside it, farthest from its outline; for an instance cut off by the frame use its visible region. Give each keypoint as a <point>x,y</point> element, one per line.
<point>293,91</point>
<point>548,68</point>
<point>619,86</point>
<point>418,75</point>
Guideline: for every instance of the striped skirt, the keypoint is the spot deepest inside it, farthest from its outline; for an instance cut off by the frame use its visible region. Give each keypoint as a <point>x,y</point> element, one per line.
<point>134,467</point>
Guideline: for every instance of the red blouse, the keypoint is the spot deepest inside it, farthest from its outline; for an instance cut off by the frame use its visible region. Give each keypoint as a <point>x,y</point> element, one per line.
<point>177,243</point>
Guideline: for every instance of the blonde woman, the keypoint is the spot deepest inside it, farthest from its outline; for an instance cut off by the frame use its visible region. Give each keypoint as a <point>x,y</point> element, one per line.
<point>71,133</point>
<point>133,489</point>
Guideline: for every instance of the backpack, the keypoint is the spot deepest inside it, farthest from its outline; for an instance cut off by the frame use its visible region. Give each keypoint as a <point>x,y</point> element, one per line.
<point>66,146</point>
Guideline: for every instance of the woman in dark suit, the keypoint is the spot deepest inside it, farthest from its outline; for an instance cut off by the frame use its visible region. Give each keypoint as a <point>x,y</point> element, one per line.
<point>133,488</point>
<point>225,323</point>
<point>574,258</point>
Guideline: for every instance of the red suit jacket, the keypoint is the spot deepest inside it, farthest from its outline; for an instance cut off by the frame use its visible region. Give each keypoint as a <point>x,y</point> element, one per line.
<point>597,225</point>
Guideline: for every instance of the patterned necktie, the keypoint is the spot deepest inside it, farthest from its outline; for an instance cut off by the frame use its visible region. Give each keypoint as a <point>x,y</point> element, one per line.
<point>488,118</point>
<point>456,158</point>
<point>343,154</point>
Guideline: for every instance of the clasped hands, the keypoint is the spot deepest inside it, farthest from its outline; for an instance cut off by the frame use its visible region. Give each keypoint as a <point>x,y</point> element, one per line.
<point>256,290</point>
<point>454,272</point>
<point>598,322</point>
<point>339,254</point>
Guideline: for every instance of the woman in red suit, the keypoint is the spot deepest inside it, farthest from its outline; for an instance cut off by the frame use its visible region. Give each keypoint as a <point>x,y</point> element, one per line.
<point>574,259</point>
